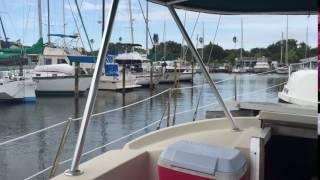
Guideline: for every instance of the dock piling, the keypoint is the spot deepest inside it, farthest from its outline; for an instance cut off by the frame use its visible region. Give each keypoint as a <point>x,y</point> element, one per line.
<point>76,79</point>
<point>169,104</point>
<point>235,88</point>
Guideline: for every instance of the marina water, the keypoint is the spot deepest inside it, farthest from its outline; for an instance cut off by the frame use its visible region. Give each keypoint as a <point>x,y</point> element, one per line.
<point>23,158</point>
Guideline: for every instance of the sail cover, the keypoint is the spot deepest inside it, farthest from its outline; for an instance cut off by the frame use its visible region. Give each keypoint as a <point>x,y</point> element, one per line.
<point>245,6</point>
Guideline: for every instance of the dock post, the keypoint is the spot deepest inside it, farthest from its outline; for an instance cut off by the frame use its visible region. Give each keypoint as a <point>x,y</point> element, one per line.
<point>192,70</point>
<point>123,78</point>
<point>235,88</point>
<point>151,75</point>
<point>175,74</point>
<point>76,79</point>
<point>169,104</point>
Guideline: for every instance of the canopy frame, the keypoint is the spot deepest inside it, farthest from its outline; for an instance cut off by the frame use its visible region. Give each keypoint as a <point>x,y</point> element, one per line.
<point>74,169</point>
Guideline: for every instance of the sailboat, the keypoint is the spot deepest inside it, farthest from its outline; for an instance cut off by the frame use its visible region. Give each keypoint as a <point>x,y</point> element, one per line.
<point>15,85</point>
<point>55,73</point>
<point>273,145</point>
<point>283,68</point>
<point>240,68</point>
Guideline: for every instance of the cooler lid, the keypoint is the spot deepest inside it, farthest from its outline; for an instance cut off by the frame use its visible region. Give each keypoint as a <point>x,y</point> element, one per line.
<point>202,158</point>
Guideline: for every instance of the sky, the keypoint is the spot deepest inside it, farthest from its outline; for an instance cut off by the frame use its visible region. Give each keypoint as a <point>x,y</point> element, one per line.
<point>20,19</point>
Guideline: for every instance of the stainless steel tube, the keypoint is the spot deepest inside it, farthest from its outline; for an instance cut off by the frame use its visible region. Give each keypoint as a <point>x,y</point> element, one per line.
<point>74,169</point>
<point>202,66</point>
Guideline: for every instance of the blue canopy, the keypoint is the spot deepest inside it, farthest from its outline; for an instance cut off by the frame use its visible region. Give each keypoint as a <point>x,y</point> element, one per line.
<point>83,59</point>
<point>245,6</point>
<point>64,35</point>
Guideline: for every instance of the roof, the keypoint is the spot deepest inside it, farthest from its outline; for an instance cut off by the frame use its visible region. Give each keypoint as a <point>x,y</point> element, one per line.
<point>245,6</point>
<point>131,56</point>
<point>82,59</point>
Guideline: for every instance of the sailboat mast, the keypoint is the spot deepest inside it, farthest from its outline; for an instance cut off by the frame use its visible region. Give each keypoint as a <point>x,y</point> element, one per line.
<point>147,27</point>
<point>281,53</point>
<point>84,27</point>
<point>103,16</point>
<point>182,43</point>
<point>4,32</point>
<point>286,57</point>
<point>131,21</point>
<point>202,40</point>
<point>164,41</point>
<point>40,19</point>
<point>64,22</point>
<point>307,39</point>
<point>48,6</point>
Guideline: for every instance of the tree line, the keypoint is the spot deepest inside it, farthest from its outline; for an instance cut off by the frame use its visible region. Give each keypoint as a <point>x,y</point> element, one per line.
<point>214,53</point>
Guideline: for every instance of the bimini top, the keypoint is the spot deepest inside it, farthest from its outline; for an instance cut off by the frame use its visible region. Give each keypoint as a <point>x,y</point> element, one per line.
<point>289,7</point>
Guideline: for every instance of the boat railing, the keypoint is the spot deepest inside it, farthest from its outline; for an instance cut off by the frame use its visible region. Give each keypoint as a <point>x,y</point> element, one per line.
<point>136,132</point>
<point>150,125</point>
<point>310,63</point>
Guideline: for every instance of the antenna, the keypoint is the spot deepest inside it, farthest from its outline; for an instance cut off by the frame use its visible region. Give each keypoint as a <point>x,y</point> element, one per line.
<point>48,6</point>
<point>164,41</point>
<point>307,36</point>
<point>40,19</point>
<point>281,54</point>
<point>131,22</point>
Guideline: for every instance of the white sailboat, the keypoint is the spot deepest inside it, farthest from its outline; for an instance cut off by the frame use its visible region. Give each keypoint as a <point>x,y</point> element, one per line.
<point>55,75</point>
<point>14,87</point>
<point>283,68</point>
<point>170,72</point>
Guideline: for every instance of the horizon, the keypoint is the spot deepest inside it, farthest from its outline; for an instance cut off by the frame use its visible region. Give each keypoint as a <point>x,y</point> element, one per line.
<point>259,31</point>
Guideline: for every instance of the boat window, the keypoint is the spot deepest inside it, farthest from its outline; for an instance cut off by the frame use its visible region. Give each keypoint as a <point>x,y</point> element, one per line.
<point>47,61</point>
<point>62,61</point>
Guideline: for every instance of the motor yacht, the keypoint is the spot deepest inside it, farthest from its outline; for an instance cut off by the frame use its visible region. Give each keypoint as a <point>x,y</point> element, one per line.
<point>261,66</point>
<point>116,77</point>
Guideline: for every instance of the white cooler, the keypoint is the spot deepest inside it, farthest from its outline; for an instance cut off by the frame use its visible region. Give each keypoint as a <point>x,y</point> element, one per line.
<point>186,160</point>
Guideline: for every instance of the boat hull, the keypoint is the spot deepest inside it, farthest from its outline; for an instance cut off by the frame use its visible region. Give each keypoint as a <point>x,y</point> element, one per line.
<point>61,85</point>
<point>170,77</point>
<point>23,90</point>
<point>115,83</point>
<point>144,80</point>
<point>185,76</point>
